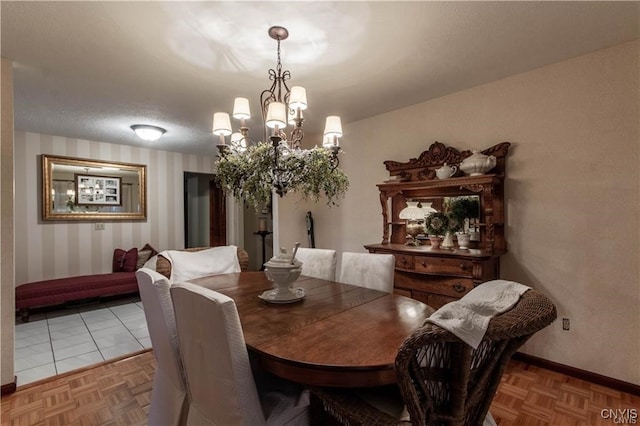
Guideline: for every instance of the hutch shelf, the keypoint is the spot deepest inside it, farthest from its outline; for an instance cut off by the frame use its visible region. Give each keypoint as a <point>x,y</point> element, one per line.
<point>438,276</point>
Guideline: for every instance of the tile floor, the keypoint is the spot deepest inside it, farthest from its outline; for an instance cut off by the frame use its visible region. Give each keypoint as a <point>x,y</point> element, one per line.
<point>57,341</point>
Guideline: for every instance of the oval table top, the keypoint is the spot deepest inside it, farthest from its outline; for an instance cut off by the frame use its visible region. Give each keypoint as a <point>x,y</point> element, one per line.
<point>338,335</point>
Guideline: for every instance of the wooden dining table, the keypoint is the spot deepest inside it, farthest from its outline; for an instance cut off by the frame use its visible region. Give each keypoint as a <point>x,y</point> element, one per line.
<point>338,335</point>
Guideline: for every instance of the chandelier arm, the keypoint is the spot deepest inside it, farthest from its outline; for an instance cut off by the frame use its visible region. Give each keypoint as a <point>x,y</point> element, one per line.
<point>283,136</point>
<point>283,83</point>
<point>297,134</point>
<point>266,97</point>
<point>335,162</point>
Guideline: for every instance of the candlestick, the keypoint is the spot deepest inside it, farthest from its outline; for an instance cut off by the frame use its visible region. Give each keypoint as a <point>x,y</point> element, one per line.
<point>263,235</point>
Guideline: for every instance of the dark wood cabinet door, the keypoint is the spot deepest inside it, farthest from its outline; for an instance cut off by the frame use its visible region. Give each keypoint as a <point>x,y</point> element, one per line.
<point>218,215</point>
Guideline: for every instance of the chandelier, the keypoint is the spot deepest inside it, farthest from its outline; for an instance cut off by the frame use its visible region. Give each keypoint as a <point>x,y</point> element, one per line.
<point>242,163</point>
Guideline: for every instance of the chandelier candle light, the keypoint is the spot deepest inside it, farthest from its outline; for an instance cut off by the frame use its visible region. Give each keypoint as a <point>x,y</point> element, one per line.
<point>252,171</point>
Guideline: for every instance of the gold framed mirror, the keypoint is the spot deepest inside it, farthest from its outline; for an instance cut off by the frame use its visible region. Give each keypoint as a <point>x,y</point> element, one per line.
<point>78,189</point>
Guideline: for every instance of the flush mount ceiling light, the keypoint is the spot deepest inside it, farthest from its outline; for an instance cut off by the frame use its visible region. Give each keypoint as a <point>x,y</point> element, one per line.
<point>147,132</point>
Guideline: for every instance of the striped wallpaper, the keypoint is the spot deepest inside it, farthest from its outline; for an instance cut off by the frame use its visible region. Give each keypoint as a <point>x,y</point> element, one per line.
<point>45,250</point>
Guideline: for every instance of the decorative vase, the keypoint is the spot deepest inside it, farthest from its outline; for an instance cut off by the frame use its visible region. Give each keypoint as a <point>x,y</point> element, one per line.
<point>435,242</point>
<point>447,243</point>
<point>464,240</point>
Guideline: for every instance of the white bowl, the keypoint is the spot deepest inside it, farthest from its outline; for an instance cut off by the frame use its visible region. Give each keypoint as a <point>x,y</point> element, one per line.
<point>283,276</point>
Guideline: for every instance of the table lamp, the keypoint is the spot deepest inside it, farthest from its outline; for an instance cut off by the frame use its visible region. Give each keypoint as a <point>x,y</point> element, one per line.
<point>414,215</point>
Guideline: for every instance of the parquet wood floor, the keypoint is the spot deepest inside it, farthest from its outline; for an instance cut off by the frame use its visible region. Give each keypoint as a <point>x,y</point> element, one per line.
<point>534,396</point>
<point>118,393</point>
<point>113,393</point>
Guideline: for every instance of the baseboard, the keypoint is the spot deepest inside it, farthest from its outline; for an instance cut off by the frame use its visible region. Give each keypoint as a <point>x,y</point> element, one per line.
<point>9,387</point>
<point>88,367</point>
<point>598,379</point>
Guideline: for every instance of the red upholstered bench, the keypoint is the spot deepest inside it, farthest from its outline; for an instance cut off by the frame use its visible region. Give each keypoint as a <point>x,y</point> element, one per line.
<point>62,290</point>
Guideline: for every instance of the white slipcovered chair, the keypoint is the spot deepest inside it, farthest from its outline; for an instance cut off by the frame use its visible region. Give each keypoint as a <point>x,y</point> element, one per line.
<point>370,270</point>
<point>318,263</point>
<point>169,403</point>
<point>185,265</point>
<point>220,381</point>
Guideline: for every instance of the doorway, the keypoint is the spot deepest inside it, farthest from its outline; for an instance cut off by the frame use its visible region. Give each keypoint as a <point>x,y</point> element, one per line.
<point>205,223</point>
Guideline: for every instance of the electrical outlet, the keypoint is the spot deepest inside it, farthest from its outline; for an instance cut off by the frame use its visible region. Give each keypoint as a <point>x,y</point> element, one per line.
<point>99,227</point>
<point>565,324</point>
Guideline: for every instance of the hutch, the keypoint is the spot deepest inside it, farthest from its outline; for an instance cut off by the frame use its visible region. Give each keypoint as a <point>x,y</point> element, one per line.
<point>438,276</point>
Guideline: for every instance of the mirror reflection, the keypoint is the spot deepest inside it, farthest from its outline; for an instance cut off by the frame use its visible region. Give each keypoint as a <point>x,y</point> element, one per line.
<point>81,189</point>
<point>464,209</point>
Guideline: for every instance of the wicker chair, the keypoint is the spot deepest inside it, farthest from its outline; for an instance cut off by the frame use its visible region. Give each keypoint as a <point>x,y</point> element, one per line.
<point>442,380</point>
<point>163,266</point>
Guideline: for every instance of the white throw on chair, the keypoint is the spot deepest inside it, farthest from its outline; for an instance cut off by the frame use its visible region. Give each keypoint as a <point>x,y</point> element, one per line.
<point>221,385</point>
<point>371,270</point>
<point>169,402</point>
<point>318,263</point>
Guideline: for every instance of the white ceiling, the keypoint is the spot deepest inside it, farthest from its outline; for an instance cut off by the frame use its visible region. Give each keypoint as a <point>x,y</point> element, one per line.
<point>92,69</point>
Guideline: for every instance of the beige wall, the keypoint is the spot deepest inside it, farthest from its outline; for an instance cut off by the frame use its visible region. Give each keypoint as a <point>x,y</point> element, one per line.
<point>47,250</point>
<point>572,193</point>
<point>7,291</point>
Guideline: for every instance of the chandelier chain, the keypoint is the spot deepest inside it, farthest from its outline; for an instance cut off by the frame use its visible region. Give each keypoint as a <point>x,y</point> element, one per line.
<point>275,93</point>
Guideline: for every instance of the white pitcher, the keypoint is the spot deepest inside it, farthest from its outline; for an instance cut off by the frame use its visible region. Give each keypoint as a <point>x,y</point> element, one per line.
<point>445,172</point>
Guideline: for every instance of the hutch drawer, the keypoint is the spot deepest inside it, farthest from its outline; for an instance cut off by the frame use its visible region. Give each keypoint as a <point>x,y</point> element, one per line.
<point>437,277</point>
<point>436,300</point>
<point>433,300</point>
<point>402,292</point>
<point>444,266</point>
<point>446,286</point>
<point>404,261</point>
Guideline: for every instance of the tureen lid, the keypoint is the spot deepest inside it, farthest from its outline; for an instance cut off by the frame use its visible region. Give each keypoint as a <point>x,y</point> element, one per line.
<point>283,260</point>
<point>476,154</point>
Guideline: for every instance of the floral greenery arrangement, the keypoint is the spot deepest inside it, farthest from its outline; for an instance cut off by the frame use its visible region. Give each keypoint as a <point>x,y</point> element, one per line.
<point>249,175</point>
<point>437,223</point>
